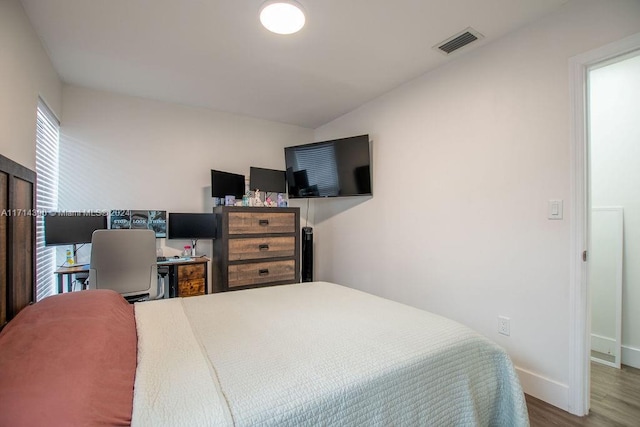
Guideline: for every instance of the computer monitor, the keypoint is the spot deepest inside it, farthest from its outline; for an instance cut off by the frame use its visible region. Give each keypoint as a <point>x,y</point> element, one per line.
<point>70,228</point>
<point>192,226</point>
<point>267,180</point>
<point>226,184</point>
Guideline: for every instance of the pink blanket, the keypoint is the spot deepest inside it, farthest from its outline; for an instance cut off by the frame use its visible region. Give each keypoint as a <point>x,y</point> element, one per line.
<point>69,360</point>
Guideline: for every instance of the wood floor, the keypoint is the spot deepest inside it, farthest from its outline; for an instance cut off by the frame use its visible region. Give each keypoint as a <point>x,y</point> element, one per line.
<point>615,401</point>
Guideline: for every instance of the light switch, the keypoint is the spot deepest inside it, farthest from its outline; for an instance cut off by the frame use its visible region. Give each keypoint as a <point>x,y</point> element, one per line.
<point>555,209</point>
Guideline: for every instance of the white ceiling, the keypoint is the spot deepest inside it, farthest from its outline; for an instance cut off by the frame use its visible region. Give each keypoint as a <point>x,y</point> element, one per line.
<point>215,53</point>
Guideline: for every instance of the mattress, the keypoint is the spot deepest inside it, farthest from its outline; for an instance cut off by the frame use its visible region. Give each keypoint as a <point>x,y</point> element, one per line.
<point>315,354</point>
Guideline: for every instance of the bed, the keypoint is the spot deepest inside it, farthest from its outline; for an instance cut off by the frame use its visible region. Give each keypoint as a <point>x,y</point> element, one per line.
<point>294,355</point>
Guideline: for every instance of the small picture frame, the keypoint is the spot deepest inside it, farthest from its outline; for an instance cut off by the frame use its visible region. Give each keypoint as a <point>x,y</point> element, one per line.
<point>229,200</point>
<point>282,202</point>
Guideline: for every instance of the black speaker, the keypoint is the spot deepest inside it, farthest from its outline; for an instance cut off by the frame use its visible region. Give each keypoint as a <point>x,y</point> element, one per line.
<point>307,254</point>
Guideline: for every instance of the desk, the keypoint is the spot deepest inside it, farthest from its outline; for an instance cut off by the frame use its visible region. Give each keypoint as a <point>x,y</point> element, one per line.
<point>70,271</point>
<point>186,277</point>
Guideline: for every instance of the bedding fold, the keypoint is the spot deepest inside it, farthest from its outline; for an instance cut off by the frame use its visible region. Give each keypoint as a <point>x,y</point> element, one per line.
<point>175,383</point>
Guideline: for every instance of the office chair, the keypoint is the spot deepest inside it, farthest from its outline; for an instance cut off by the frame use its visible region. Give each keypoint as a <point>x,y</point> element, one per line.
<point>125,261</point>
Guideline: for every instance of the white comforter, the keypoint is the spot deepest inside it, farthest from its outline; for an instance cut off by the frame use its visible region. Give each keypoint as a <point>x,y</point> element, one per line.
<point>315,354</point>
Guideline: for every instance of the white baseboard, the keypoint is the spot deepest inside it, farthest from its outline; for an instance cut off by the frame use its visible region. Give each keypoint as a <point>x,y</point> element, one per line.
<point>545,389</point>
<point>557,394</point>
<point>631,356</point>
<point>603,344</point>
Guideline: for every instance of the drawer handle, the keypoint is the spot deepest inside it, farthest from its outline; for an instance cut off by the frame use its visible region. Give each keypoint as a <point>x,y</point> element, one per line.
<point>263,247</point>
<point>263,272</point>
<point>263,222</point>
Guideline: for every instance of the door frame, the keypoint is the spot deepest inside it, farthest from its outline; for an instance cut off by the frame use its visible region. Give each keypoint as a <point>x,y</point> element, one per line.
<point>579,310</point>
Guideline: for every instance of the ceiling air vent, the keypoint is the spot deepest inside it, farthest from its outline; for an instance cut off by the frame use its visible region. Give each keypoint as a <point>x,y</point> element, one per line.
<point>458,41</point>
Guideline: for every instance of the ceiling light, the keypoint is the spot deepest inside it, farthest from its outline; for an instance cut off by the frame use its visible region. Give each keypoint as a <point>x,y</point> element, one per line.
<point>282,16</point>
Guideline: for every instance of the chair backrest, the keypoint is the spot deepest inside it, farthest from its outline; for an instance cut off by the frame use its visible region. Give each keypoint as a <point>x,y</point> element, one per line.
<point>124,261</point>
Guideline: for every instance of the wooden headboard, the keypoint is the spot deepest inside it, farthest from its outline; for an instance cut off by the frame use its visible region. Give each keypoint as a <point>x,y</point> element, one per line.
<point>17,238</point>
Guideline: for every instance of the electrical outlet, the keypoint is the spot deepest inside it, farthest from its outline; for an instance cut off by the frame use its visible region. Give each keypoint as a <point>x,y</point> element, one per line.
<point>504,325</point>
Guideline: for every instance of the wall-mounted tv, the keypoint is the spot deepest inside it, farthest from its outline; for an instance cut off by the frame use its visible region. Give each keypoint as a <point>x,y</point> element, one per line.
<point>226,184</point>
<point>70,228</point>
<point>267,180</point>
<point>336,168</point>
<point>192,226</point>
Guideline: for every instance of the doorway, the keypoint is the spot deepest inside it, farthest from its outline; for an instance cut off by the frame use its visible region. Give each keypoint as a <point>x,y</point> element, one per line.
<point>580,319</point>
<point>613,100</point>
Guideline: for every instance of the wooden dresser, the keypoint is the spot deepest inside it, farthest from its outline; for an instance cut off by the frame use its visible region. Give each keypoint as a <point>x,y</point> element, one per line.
<point>256,247</point>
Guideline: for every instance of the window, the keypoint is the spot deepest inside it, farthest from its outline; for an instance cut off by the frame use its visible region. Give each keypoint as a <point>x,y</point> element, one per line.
<point>47,141</point>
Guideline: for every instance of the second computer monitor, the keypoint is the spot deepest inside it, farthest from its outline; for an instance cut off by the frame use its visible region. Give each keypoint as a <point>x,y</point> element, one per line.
<point>267,180</point>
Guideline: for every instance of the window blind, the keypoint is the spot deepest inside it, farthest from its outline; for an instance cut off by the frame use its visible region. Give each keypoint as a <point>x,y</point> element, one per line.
<point>47,143</point>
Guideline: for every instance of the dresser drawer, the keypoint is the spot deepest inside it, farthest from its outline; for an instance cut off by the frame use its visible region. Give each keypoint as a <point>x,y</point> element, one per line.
<point>190,288</point>
<point>261,222</point>
<point>261,247</point>
<point>261,272</point>
<point>189,272</point>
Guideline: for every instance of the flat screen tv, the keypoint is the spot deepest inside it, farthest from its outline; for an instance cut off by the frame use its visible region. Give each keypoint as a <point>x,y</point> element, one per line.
<point>226,184</point>
<point>267,180</point>
<point>336,168</point>
<point>70,228</point>
<point>192,226</point>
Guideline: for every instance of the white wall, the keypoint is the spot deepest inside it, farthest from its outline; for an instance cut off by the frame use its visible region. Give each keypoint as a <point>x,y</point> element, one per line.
<point>25,73</point>
<point>615,156</point>
<point>465,159</point>
<point>121,152</point>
